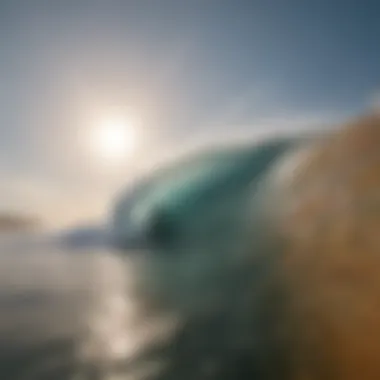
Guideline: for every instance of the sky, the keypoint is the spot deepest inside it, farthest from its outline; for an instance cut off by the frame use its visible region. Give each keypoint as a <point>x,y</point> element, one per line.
<point>185,71</point>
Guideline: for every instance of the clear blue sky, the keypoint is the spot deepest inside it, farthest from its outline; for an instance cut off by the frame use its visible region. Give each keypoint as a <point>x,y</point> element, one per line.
<point>189,68</point>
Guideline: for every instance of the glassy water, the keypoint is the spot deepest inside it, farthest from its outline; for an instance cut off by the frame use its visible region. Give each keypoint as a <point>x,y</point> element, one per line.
<point>67,314</point>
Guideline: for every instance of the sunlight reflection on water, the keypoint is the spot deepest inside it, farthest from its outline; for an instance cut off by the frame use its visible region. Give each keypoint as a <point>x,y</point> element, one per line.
<point>50,297</point>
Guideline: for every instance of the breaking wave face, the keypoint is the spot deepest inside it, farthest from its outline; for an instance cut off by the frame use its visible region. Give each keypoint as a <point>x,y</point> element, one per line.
<point>232,264</point>
<point>167,300</point>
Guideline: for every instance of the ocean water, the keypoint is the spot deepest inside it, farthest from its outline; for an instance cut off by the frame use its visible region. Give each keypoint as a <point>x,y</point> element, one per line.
<point>67,314</point>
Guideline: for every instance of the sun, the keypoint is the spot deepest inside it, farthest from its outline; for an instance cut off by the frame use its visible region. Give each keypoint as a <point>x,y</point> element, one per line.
<point>114,139</point>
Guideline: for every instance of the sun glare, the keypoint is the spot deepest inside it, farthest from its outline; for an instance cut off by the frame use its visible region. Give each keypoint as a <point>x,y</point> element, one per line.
<point>114,139</point>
